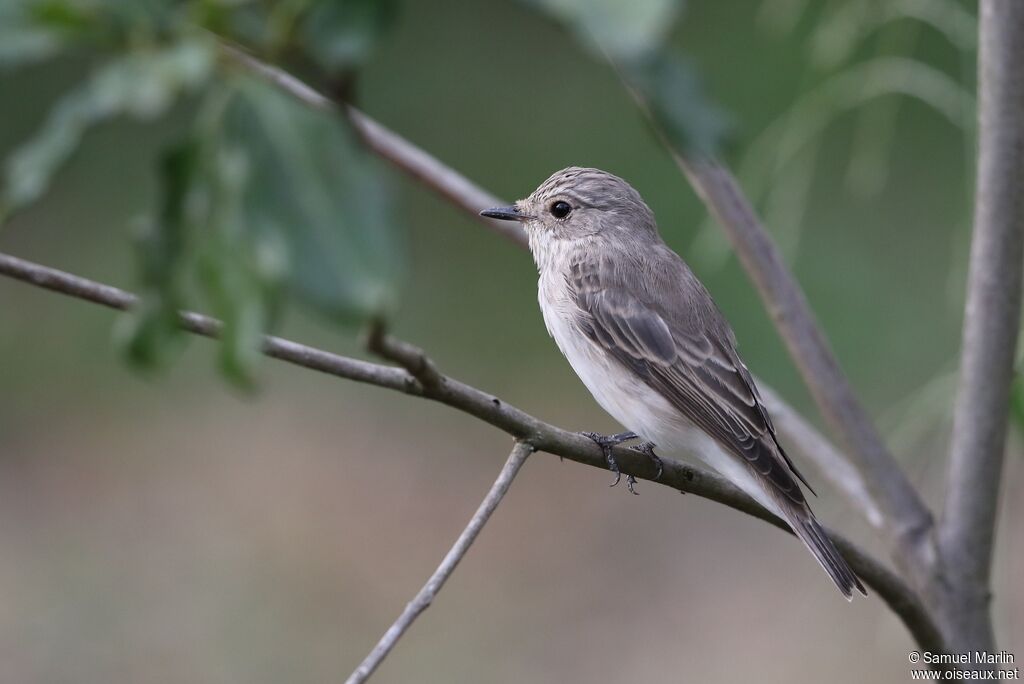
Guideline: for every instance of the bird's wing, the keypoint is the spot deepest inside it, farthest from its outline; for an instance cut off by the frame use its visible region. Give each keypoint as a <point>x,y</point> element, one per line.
<point>688,356</point>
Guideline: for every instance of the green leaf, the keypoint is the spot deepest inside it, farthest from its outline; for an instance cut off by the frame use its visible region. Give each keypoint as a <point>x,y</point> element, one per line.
<point>239,287</point>
<point>150,334</point>
<point>671,89</point>
<point>268,193</point>
<point>340,34</point>
<point>199,239</point>
<point>622,30</point>
<point>142,84</point>
<point>313,188</point>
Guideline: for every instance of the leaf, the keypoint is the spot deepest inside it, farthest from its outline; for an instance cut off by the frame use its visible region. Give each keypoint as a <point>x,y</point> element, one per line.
<point>623,30</point>
<point>142,84</point>
<point>267,193</point>
<point>199,239</point>
<point>238,288</point>
<point>340,34</point>
<point>313,188</point>
<point>672,91</point>
<point>150,334</point>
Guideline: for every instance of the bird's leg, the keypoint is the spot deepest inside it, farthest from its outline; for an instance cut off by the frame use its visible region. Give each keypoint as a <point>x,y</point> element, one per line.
<point>606,442</point>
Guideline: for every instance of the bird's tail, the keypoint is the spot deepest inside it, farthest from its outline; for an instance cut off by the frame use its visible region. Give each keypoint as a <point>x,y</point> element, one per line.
<point>817,541</point>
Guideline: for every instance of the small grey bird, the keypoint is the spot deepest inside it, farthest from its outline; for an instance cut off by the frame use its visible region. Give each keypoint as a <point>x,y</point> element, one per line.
<point>645,337</point>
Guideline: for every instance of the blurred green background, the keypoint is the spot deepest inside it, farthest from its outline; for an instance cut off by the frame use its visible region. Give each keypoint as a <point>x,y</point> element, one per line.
<point>170,528</point>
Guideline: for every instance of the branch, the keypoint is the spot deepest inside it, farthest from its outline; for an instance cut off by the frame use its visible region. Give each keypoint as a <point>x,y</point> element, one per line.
<point>991,320</point>
<point>816,448</point>
<point>426,595</point>
<point>519,424</point>
<point>412,359</point>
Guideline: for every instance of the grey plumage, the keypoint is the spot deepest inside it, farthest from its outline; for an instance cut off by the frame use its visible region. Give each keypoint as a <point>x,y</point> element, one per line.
<point>646,338</point>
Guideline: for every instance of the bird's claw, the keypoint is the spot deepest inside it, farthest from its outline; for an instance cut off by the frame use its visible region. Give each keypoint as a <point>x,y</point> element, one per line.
<point>606,442</point>
<point>647,449</point>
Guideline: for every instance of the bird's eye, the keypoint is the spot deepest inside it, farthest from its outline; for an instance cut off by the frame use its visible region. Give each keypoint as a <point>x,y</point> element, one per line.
<point>560,210</point>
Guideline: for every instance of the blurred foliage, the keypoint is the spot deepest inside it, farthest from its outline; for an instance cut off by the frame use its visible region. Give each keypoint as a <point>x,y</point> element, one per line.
<point>263,196</point>
<point>139,84</point>
<point>633,36</point>
<point>620,29</point>
<point>859,62</point>
<point>341,35</point>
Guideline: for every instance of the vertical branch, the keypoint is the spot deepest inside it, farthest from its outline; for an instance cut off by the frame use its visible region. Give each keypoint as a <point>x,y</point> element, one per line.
<point>991,323</point>
<point>426,595</point>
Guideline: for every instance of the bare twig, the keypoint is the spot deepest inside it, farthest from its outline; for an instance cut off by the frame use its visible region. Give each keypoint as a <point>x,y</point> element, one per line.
<point>521,425</point>
<point>816,448</point>
<point>426,595</point>
<point>428,171</point>
<point>991,322</point>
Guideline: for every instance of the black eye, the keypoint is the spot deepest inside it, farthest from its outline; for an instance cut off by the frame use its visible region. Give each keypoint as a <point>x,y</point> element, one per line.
<point>560,209</point>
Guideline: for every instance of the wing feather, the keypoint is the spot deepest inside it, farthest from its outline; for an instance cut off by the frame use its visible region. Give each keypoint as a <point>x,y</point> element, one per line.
<point>688,361</point>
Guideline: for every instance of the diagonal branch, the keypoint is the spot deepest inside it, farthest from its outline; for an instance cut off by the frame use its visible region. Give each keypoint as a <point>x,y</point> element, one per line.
<point>517,423</point>
<point>426,595</point>
<point>991,323</point>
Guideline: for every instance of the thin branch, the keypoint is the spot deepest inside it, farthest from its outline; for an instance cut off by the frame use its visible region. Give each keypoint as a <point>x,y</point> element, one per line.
<point>428,171</point>
<point>412,359</point>
<point>426,595</point>
<point>991,323</point>
<point>815,447</point>
<point>517,423</point>
<point>422,167</point>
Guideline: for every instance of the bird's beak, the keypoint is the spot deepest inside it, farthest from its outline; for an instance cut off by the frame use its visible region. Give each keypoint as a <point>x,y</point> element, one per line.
<point>505,214</point>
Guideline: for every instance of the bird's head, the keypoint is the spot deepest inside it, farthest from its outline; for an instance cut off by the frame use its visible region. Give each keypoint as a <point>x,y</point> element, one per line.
<point>579,203</point>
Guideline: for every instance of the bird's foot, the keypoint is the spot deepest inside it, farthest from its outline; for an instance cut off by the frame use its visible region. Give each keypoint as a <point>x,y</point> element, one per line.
<point>606,442</point>
<point>647,449</point>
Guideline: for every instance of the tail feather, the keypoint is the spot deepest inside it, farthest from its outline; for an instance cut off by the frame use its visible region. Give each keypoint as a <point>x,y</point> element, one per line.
<point>817,541</point>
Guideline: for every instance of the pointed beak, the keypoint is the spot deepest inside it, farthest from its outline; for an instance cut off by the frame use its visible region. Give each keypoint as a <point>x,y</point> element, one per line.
<point>505,214</point>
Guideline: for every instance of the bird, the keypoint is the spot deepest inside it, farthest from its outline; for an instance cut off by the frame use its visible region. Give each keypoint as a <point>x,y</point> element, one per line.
<point>645,337</point>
